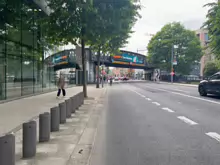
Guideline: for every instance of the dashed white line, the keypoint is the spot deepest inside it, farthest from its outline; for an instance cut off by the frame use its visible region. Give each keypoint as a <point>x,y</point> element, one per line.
<point>148,99</point>
<point>140,94</point>
<point>156,103</point>
<point>186,120</point>
<point>168,110</point>
<point>214,135</point>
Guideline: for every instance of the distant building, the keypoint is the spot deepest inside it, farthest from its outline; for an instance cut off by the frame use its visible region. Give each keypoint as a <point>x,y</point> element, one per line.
<point>203,36</point>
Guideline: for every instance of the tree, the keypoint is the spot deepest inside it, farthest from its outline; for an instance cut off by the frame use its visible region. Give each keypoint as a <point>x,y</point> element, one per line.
<point>212,24</point>
<point>106,23</point>
<point>188,49</point>
<point>211,68</point>
<point>111,25</point>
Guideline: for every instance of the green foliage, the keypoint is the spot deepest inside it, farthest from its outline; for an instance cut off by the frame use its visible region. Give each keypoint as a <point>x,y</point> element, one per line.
<point>187,52</point>
<point>211,68</point>
<point>104,25</point>
<point>212,24</point>
<point>107,23</point>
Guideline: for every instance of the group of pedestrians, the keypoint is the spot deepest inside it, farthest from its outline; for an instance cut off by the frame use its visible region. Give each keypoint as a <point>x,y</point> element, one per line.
<point>61,84</point>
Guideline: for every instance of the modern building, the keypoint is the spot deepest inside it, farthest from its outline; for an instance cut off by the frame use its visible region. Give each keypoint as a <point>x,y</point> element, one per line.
<point>22,67</point>
<point>26,66</point>
<point>208,56</point>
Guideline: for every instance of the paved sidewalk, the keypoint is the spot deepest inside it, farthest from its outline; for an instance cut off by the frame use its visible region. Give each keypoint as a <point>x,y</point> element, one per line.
<point>73,144</point>
<point>14,113</point>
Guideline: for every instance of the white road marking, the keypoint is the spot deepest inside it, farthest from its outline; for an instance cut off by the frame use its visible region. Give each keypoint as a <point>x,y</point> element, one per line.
<point>148,99</point>
<point>185,95</point>
<point>214,135</point>
<point>156,103</point>
<point>168,110</point>
<point>186,120</point>
<point>138,94</point>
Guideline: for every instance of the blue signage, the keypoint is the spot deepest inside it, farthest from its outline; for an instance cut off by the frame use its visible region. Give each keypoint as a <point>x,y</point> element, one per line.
<point>128,58</point>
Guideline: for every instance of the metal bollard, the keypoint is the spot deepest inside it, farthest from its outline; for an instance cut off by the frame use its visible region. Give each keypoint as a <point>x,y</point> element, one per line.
<point>62,107</point>
<point>79,104</point>
<point>72,101</point>
<point>82,101</point>
<point>68,108</point>
<point>7,150</point>
<point>55,119</point>
<point>77,101</point>
<point>74,104</point>
<point>44,127</point>
<point>29,139</point>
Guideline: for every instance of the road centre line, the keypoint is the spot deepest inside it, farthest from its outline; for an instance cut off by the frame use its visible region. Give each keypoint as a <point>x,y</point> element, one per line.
<point>185,95</point>
<point>186,120</point>
<point>214,135</point>
<point>156,103</point>
<point>168,110</point>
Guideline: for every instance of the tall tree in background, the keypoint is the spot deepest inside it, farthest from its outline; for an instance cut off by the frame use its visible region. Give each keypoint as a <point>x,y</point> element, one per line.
<point>188,49</point>
<point>213,26</point>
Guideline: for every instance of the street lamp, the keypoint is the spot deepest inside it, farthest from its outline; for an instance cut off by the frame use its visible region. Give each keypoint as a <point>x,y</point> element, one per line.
<point>172,60</point>
<point>83,49</point>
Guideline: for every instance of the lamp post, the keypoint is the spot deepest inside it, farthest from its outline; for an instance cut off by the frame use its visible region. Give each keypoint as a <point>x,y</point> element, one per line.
<point>171,73</point>
<point>172,61</point>
<point>83,49</point>
<point>103,70</point>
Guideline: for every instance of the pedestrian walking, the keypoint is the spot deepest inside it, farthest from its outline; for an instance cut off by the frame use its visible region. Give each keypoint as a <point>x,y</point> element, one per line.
<point>61,85</point>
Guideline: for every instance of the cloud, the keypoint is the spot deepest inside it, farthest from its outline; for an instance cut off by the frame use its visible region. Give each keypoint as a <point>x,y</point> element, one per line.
<point>156,13</point>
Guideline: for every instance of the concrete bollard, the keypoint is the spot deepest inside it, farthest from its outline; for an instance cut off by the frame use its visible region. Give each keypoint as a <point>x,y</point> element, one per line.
<point>55,119</point>
<point>29,139</point>
<point>7,150</point>
<point>68,108</point>
<point>62,107</point>
<point>44,127</point>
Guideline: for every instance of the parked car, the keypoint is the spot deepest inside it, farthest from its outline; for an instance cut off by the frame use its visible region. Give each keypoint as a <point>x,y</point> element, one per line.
<point>125,78</point>
<point>210,85</point>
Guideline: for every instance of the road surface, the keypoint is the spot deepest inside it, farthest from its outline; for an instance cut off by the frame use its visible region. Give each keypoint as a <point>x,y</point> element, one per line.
<point>157,124</point>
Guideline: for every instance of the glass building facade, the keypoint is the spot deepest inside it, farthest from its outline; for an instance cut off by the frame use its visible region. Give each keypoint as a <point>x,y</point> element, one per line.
<point>22,67</point>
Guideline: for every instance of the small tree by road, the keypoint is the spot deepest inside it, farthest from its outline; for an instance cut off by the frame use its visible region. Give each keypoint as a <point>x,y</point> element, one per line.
<point>188,49</point>
<point>211,68</point>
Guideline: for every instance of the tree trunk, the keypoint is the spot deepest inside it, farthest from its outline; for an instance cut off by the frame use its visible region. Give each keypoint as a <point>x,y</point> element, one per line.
<point>98,65</point>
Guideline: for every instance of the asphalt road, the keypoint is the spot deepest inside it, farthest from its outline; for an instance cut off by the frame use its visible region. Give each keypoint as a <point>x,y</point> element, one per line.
<point>157,124</point>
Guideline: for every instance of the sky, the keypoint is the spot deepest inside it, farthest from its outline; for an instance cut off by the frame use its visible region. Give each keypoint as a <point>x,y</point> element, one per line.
<point>156,13</point>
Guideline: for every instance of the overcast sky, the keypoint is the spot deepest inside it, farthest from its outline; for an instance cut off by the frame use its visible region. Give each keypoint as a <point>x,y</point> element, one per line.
<point>156,13</point>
